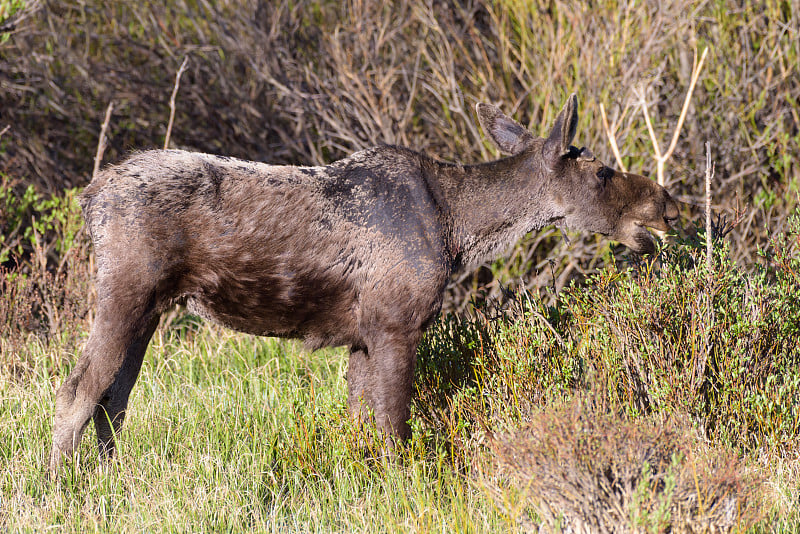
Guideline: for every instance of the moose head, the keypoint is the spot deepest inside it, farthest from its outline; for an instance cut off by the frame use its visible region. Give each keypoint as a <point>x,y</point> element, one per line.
<point>577,189</point>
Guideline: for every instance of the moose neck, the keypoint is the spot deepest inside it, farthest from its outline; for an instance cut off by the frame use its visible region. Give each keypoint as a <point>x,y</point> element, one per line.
<point>490,206</point>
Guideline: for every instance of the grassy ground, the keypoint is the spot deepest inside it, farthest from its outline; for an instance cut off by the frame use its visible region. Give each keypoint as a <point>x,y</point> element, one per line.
<point>229,433</point>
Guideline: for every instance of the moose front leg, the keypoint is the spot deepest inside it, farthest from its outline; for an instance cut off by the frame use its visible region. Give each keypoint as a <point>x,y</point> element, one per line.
<point>381,381</point>
<point>390,364</point>
<point>359,373</point>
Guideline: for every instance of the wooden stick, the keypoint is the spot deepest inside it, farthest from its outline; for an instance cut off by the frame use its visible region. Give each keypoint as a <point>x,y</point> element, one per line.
<point>661,158</point>
<point>612,137</point>
<point>101,141</point>
<point>172,101</point>
<point>696,68</point>
<point>709,237</point>
<point>703,355</point>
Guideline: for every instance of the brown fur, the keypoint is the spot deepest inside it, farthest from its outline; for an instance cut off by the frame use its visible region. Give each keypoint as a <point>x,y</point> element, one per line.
<point>356,253</point>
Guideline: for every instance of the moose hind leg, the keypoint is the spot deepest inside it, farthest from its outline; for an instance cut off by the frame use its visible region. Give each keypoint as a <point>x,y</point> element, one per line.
<point>110,412</point>
<point>104,373</point>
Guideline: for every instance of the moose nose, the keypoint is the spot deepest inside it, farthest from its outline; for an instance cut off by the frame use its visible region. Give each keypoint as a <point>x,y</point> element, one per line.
<point>670,211</point>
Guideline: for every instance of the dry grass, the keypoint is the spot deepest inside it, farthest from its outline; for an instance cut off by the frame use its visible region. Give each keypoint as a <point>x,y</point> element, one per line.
<point>586,471</point>
<point>310,81</point>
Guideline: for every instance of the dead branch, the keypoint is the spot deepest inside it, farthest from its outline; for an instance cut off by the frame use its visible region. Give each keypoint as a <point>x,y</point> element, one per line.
<point>661,158</point>
<point>172,101</point>
<point>101,141</point>
<point>709,240</point>
<point>612,136</point>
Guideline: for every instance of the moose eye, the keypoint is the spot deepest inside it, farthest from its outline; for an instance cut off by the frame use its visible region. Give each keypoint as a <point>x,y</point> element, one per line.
<point>605,173</point>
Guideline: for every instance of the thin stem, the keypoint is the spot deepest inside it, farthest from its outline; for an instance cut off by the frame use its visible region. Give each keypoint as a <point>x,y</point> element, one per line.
<point>660,157</point>
<point>172,101</point>
<point>709,240</point>
<point>696,68</point>
<point>612,139</point>
<point>647,121</point>
<point>101,141</point>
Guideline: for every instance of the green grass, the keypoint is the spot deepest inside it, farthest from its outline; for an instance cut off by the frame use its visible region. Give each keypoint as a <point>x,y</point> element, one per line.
<point>227,432</point>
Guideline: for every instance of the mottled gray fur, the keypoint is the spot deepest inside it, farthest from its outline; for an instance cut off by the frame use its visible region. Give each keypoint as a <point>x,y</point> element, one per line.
<point>356,253</point>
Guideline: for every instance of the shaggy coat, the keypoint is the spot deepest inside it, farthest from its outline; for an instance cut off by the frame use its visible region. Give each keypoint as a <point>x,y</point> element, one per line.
<point>355,253</point>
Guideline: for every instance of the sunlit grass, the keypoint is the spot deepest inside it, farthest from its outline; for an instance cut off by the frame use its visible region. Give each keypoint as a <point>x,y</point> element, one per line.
<point>226,432</point>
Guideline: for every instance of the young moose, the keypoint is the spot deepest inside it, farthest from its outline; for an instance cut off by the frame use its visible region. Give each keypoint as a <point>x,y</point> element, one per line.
<point>356,253</point>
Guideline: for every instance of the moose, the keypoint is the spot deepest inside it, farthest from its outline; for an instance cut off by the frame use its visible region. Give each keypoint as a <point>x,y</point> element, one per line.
<point>355,253</point>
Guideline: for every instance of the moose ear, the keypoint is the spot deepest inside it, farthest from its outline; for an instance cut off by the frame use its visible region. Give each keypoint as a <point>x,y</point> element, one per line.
<point>560,138</point>
<point>507,134</point>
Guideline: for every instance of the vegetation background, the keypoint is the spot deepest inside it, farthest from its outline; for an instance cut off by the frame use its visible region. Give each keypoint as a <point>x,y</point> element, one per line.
<point>695,369</point>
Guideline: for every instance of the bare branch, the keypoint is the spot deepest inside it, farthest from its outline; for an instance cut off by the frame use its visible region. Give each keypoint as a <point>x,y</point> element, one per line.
<point>709,237</point>
<point>101,141</point>
<point>643,102</point>
<point>660,158</point>
<point>611,134</point>
<point>696,68</point>
<point>172,100</point>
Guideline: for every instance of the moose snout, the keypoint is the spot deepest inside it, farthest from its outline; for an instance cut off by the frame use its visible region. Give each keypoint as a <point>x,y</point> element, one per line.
<point>670,210</point>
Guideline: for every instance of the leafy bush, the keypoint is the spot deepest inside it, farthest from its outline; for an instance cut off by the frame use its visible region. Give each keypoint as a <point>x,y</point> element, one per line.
<point>28,221</point>
<point>720,346</point>
<point>9,13</point>
<point>666,337</point>
<point>637,401</point>
<point>45,269</point>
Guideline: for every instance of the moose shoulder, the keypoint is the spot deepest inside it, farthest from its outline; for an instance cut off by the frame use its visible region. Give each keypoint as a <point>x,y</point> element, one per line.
<point>356,253</point>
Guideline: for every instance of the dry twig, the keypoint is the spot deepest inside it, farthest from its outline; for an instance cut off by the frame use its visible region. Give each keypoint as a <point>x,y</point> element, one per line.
<point>661,158</point>
<point>101,141</point>
<point>611,134</point>
<point>172,100</point>
<point>702,358</point>
<point>709,237</point>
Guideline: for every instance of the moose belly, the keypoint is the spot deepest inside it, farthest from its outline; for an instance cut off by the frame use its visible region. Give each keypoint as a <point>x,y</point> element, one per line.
<point>320,314</point>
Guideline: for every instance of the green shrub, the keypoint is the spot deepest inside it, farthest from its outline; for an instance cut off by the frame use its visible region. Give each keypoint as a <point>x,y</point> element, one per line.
<point>664,337</point>
<point>45,269</point>
<point>8,10</point>
<point>28,221</point>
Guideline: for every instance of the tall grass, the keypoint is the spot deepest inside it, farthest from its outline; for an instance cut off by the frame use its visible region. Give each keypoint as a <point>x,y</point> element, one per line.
<point>228,432</point>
